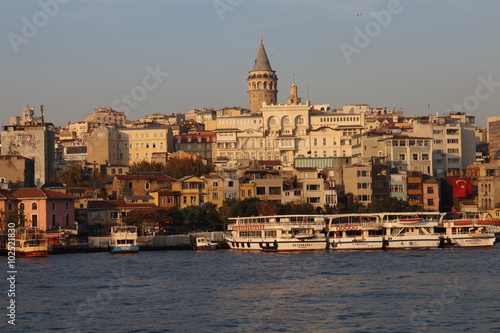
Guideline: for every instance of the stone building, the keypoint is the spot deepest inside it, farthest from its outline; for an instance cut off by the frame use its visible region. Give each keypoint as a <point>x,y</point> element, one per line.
<point>262,82</point>
<point>106,116</point>
<point>32,138</point>
<point>17,171</point>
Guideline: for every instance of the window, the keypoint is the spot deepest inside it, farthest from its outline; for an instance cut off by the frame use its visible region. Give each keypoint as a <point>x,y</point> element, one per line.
<point>34,206</point>
<point>184,199</point>
<point>364,186</point>
<point>34,221</point>
<point>215,195</point>
<point>112,215</point>
<point>438,142</point>
<point>414,157</point>
<point>66,221</point>
<point>397,188</point>
<point>54,220</point>
<point>430,190</point>
<point>275,190</point>
<point>215,184</point>
<point>312,187</point>
<point>402,157</point>
<point>425,157</point>
<point>430,202</point>
<point>363,197</point>
<point>147,185</point>
<point>66,205</point>
<point>313,200</point>
<point>453,151</point>
<point>130,185</point>
<point>363,173</point>
<point>22,207</point>
<point>230,183</point>
<point>9,206</point>
<point>452,140</point>
<point>260,190</point>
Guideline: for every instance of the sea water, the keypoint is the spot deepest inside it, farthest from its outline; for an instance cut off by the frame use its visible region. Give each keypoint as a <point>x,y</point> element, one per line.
<point>438,290</point>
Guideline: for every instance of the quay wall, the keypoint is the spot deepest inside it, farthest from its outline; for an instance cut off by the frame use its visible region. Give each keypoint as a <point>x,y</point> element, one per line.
<point>162,240</point>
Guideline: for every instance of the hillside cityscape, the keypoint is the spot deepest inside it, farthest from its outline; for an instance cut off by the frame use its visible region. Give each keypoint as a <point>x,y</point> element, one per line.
<point>171,173</point>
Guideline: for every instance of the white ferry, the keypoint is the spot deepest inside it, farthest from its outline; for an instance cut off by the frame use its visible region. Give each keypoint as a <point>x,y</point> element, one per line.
<point>277,233</point>
<point>124,239</point>
<point>355,232</point>
<point>31,242</point>
<point>468,229</point>
<point>411,230</point>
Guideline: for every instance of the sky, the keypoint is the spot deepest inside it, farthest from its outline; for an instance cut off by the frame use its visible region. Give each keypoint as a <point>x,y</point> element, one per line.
<point>169,56</point>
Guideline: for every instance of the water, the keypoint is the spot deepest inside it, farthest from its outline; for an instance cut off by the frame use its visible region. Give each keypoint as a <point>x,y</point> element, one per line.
<point>452,290</point>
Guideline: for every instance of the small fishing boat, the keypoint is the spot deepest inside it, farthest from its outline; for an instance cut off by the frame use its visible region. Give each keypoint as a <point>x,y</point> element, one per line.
<point>204,243</point>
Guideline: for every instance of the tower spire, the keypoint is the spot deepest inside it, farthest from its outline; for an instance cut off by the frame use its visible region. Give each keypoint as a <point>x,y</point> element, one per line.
<point>262,81</point>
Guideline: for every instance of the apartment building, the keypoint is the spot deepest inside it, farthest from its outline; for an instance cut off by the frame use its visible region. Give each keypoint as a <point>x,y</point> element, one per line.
<point>453,140</point>
<point>494,137</point>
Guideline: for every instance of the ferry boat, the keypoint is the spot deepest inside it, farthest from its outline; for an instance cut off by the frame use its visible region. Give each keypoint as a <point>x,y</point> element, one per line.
<point>124,239</point>
<point>467,230</point>
<point>355,232</point>
<point>277,233</point>
<point>411,230</point>
<point>31,242</point>
<point>204,243</point>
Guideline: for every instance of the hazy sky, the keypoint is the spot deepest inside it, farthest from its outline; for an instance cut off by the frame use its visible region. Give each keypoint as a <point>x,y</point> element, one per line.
<point>170,56</point>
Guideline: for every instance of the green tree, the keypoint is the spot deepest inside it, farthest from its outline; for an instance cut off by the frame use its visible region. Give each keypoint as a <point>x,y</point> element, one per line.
<point>181,167</point>
<point>14,216</point>
<point>145,166</point>
<point>72,175</point>
<point>267,207</point>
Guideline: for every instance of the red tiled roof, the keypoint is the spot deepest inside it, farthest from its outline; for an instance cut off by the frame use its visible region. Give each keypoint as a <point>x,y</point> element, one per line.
<point>273,162</point>
<point>25,193</point>
<point>6,194</point>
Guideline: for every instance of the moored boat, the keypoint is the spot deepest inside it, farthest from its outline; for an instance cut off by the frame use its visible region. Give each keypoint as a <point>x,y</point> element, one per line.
<point>355,232</point>
<point>277,233</point>
<point>411,230</point>
<point>467,230</point>
<point>124,239</point>
<point>204,243</point>
<point>31,242</point>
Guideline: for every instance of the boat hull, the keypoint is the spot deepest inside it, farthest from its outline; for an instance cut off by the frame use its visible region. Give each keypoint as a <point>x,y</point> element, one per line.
<point>205,248</point>
<point>415,242</point>
<point>278,246</point>
<point>370,243</point>
<point>473,241</point>
<point>32,254</point>
<point>125,249</point>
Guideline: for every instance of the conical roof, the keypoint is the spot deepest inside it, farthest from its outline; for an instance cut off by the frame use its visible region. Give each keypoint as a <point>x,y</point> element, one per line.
<point>262,62</point>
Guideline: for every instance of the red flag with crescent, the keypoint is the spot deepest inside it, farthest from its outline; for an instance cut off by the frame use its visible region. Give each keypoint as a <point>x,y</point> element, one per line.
<point>462,187</point>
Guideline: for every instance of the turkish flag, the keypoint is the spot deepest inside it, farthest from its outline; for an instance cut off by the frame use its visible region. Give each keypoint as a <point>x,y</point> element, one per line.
<point>462,187</point>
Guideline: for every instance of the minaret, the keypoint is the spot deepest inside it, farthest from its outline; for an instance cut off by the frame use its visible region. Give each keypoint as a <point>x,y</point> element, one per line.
<point>262,81</point>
